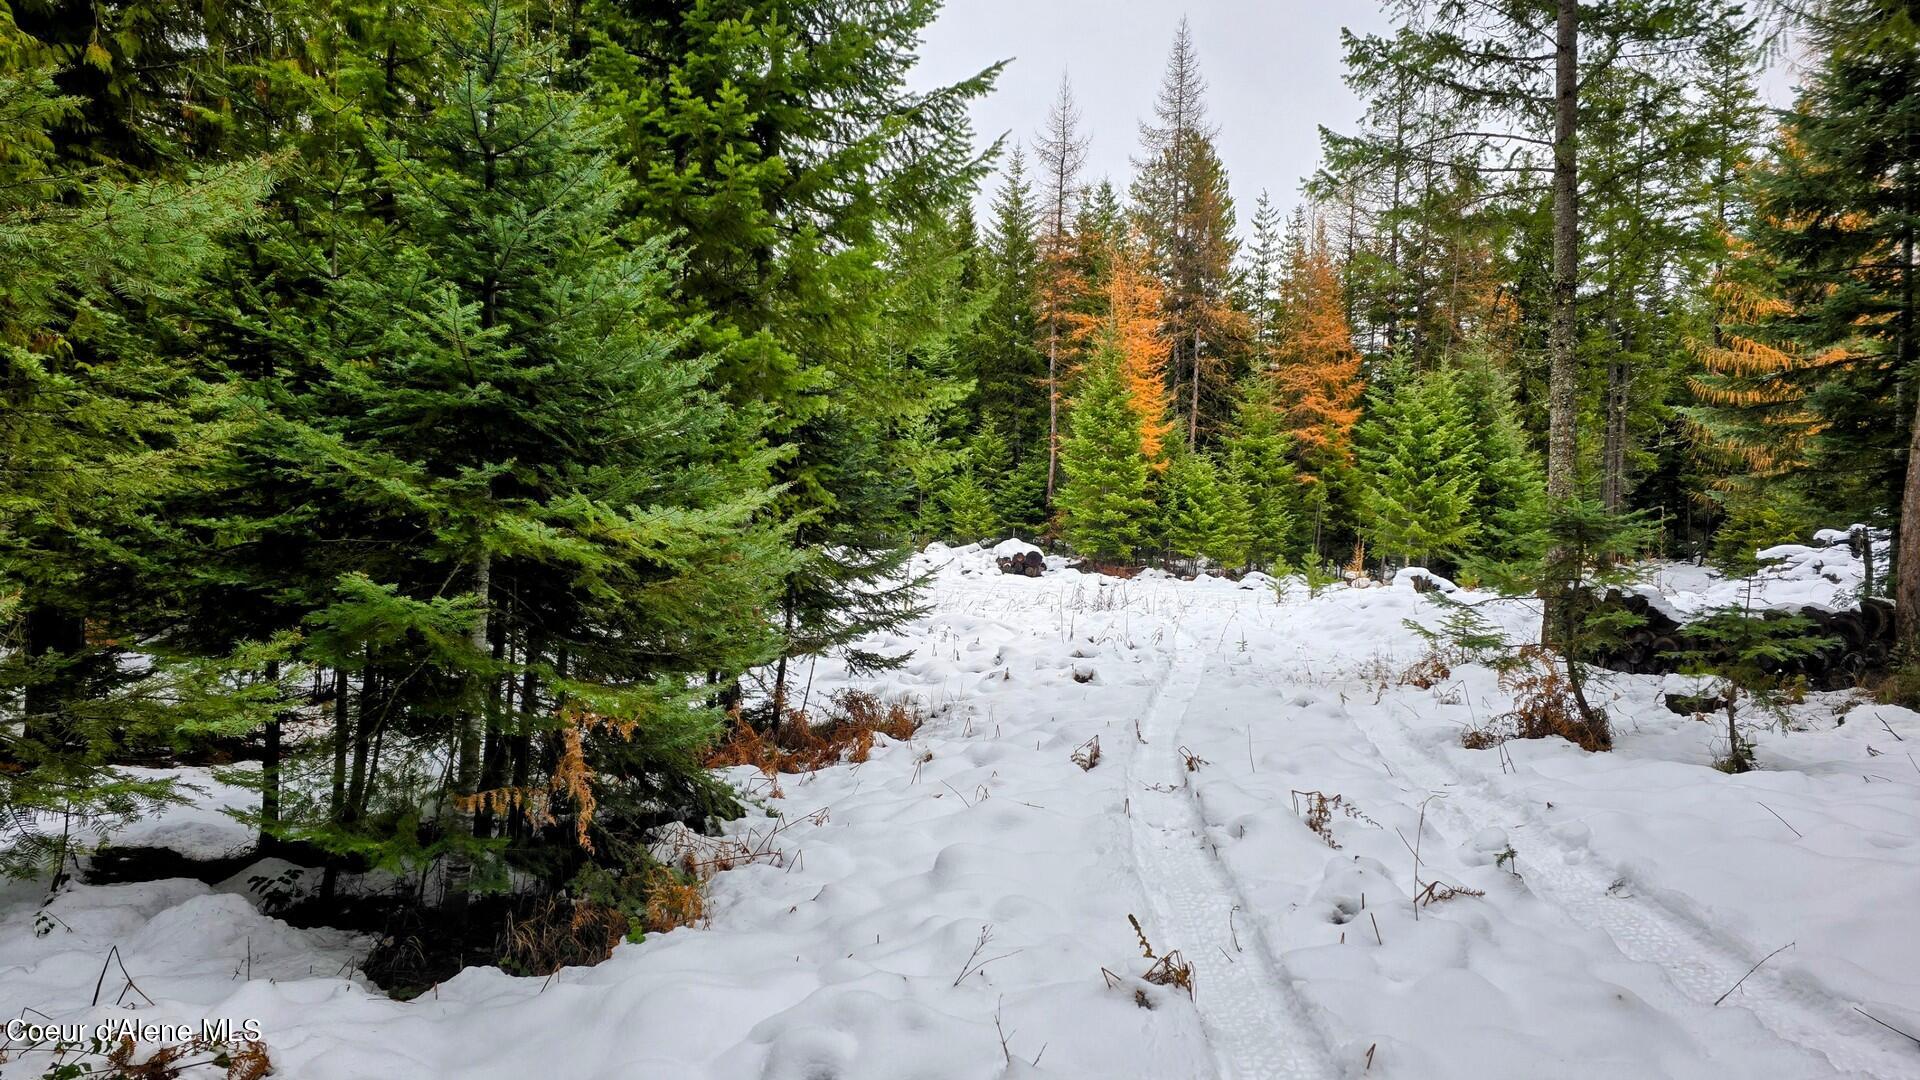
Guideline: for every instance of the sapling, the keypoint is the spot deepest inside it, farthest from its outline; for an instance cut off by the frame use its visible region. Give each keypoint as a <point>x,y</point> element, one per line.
<point>1747,656</point>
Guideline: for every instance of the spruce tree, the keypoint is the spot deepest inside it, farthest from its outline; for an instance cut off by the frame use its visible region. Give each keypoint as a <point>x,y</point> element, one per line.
<point>1009,366</point>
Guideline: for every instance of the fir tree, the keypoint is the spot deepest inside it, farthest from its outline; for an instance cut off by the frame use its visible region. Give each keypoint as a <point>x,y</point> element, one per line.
<point>1192,507</point>
<point>103,429</point>
<point>1103,503</point>
<point>1259,469</point>
<point>1415,460</point>
<point>1010,367</point>
<point>1507,499</point>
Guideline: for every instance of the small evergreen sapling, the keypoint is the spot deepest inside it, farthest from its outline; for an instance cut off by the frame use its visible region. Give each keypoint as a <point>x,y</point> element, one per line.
<point>1746,654</point>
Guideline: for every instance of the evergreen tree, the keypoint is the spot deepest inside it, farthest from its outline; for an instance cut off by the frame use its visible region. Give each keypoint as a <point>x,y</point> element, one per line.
<point>543,542</point>
<point>1416,462</point>
<point>1010,367</point>
<point>1507,492</point>
<point>1838,212</point>
<point>1259,469</point>
<point>1103,503</point>
<point>1062,151</point>
<point>779,142</point>
<point>103,429</point>
<point>1260,283</point>
<point>1190,505</point>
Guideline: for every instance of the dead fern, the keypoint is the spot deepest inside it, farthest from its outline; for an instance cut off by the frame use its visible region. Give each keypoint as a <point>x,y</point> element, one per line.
<point>674,899</point>
<point>1319,816</point>
<point>802,744</point>
<point>1546,702</point>
<point>561,932</point>
<point>1427,672</point>
<point>1172,970</point>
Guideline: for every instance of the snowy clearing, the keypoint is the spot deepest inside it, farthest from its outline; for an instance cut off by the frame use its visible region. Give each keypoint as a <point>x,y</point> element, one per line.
<point>1266,799</point>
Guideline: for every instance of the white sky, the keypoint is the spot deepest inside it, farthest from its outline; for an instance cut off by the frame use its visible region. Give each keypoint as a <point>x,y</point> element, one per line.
<point>1273,69</point>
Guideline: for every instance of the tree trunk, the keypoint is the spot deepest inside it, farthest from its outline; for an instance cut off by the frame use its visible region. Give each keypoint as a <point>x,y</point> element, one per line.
<point>337,810</point>
<point>1906,552</point>
<point>1053,412</point>
<point>362,746</point>
<point>1193,414</point>
<point>270,771</point>
<point>493,754</point>
<point>520,744</point>
<point>1563,373</point>
<point>1614,485</point>
<point>466,775</point>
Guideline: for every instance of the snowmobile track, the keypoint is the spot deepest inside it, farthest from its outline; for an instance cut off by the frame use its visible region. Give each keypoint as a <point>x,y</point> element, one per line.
<point>1700,963</point>
<point>1258,1027</point>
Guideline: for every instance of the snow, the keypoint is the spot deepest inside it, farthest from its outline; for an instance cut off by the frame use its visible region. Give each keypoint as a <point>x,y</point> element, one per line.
<point>945,910</point>
<point>1791,577</point>
<point>1012,546</point>
<point>1406,575</point>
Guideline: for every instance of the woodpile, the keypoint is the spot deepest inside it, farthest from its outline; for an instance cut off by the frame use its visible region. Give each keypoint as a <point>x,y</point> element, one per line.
<point>1863,642</point>
<point>1025,564</point>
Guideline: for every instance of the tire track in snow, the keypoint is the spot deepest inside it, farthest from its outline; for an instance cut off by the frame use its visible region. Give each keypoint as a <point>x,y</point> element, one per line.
<point>1257,1026</point>
<point>1699,962</point>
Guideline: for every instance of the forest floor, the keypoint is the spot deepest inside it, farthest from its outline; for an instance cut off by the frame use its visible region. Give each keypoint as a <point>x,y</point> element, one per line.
<point>1342,888</point>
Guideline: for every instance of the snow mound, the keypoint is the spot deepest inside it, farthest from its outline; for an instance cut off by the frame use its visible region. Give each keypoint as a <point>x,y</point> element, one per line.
<point>1013,545</point>
<point>1406,576</point>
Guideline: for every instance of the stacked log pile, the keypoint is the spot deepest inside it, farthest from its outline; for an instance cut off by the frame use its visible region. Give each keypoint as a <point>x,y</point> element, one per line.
<point>1025,564</point>
<point>1863,641</point>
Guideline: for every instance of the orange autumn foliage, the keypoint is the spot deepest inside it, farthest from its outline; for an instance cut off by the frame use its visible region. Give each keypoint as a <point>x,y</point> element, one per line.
<point>1317,369</point>
<point>1132,323</point>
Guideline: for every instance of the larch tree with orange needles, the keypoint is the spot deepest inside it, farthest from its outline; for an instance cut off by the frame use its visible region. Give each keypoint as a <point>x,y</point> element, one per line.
<point>1129,319</point>
<point>1316,373</point>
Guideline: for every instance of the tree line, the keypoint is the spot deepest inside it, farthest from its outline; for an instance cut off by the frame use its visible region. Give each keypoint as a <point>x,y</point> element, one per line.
<point>470,409</point>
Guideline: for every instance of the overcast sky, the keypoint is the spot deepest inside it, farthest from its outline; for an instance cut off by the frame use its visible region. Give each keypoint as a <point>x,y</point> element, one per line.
<point>1273,69</point>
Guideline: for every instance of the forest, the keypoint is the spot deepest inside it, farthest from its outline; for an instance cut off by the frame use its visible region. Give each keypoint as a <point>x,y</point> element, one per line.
<point>467,425</point>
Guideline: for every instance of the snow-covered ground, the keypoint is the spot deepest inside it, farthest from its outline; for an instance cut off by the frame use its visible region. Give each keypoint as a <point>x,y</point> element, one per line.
<point>1826,575</point>
<point>957,907</point>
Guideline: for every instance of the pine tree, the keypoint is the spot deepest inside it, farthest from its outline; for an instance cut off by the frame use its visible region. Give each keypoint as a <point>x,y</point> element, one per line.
<point>1415,461</point>
<point>1103,503</point>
